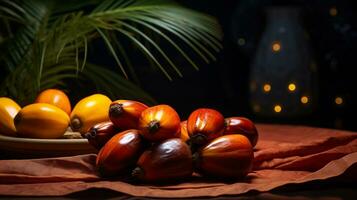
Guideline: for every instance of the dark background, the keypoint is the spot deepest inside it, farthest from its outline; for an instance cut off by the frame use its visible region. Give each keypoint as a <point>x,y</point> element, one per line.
<point>224,84</point>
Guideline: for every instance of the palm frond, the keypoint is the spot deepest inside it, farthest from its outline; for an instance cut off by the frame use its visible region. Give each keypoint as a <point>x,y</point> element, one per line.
<point>52,46</point>
<point>115,84</point>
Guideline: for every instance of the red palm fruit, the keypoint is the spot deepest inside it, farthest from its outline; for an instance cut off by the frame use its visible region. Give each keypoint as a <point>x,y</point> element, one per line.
<point>229,156</point>
<point>100,133</point>
<point>204,125</point>
<point>243,126</point>
<point>169,160</point>
<point>159,123</point>
<point>120,153</point>
<point>125,114</point>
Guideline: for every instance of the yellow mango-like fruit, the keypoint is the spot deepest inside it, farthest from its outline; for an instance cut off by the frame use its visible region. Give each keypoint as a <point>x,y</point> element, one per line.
<point>89,111</point>
<point>8,111</point>
<point>41,120</point>
<point>55,97</point>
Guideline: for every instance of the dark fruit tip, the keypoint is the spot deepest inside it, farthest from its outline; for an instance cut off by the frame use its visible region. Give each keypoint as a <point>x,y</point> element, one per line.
<point>91,134</point>
<point>199,139</point>
<point>76,124</point>
<point>137,172</point>
<point>154,126</point>
<point>115,110</point>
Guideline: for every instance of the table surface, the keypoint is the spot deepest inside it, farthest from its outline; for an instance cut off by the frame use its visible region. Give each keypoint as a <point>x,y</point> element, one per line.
<point>312,190</point>
<point>309,191</point>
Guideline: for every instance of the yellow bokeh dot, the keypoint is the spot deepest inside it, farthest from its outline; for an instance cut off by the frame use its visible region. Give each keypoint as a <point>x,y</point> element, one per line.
<point>333,11</point>
<point>267,87</point>
<point>276,46</point>
<point>304,99</point>
<point>277,108</point>
<point>292,87</point>
<point>339,100</point>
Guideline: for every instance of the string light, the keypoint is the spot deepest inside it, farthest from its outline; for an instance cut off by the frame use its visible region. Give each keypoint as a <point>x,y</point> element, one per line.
<point>292,87</point>
<point>333,11</point>
<point>276,46</point>
<point>304,99</point>
<point>277,108</point>
<point>267,87</point>
<point>339,100</point>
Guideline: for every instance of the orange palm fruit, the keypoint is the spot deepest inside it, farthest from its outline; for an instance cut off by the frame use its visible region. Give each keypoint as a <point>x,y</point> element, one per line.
<point>228,156</point>
<point>166,161</point>
<point>55,97</point>
<point>41,120</point>
<point>89,111</point>
<point>125,114</point>
<point>159,122</point>
<point>8,111</point>
<point>204,125</point>
<point>100,133</point>
<point>243,126</point>
<point>120,154</point>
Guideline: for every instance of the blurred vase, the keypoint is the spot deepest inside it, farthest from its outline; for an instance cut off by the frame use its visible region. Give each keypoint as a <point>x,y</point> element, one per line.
<point>283,73</point>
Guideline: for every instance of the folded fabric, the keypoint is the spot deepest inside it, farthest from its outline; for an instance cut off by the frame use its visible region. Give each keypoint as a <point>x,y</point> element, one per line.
<point>283,155</point>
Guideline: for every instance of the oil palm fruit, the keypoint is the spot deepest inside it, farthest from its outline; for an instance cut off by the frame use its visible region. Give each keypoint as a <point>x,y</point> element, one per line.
<point>204,125</point>
<point>55,97</point>
<point>8,111</point>
<point>100,133</point>
<point>90,111</point>
<point>159,122</point>
<point>243,126</point>
<point>41,120</point>
<point>165,161</point>
<point>228,156</point>
<point>125,114</point>
<point>120,154</point>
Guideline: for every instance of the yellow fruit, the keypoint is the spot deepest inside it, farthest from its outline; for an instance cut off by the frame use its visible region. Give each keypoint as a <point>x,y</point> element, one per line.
<point>41,120</point>
<point>55,97</point>
<point>89,111</point>
<point>8,111</point>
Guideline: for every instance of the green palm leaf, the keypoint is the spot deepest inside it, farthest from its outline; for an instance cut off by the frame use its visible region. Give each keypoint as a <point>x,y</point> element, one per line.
<point>51,45</point>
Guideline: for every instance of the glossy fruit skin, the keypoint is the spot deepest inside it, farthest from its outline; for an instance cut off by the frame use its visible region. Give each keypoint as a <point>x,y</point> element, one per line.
<point>8,111</point>
<point>204,125</point>
<point>184,133</point>
<point>126,113</point>
<point>120,154</point>
<point>41,120</point>
<point>89,111</point>
<point>159,123</point>
<point>101,133</point>
<point>229,156</point>
<point>169,160</point>
<point>55,97</point>
<point>243,126</point>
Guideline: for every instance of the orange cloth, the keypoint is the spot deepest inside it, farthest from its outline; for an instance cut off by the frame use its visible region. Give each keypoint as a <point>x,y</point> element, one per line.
<point>284,155</point>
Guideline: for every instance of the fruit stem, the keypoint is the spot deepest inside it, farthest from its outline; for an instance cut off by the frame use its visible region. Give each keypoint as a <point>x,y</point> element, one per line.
<point>116,110</point>
<point>76,124</point>
<point>199,139</point>
<point>153,126</point>
<point>137,172</point>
